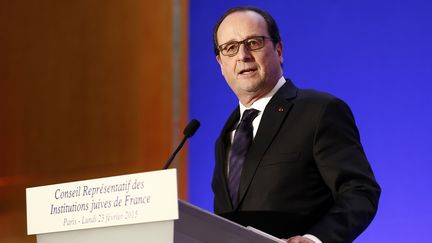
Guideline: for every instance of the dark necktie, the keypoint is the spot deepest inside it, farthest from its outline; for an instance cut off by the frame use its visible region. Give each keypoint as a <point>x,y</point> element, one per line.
<point>242,140</point>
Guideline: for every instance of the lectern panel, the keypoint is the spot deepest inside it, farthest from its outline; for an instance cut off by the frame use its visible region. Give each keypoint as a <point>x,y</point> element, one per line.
<point>155,232</point>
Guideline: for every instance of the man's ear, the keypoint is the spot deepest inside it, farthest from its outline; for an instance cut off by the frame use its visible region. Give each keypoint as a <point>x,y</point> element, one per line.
<point>218,59</point>
<point>279,51</point>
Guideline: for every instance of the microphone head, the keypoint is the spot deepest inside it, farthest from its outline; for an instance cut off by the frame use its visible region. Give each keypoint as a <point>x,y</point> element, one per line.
<point>191,128</point>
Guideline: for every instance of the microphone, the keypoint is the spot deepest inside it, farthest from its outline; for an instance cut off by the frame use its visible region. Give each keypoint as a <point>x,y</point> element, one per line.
<point>188,132</point>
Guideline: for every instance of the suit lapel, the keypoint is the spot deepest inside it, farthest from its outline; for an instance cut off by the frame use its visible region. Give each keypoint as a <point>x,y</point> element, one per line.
<point>271,121</point>
<point>221,152</point>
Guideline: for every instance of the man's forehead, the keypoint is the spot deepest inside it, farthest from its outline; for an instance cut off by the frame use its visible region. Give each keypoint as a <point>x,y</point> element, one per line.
<point>241,24</point>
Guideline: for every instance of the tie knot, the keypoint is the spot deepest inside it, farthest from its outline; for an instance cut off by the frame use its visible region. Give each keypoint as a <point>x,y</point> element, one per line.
<point>249,115</point>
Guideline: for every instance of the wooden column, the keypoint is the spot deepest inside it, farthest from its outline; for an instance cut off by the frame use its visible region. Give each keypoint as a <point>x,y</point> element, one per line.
<point>87,90</point>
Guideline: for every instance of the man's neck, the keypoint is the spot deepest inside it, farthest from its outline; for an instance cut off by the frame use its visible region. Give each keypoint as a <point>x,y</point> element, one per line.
<point>248,100</point>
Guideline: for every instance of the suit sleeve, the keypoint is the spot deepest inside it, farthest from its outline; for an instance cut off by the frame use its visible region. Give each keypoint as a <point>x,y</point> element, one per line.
<point>346,171</point>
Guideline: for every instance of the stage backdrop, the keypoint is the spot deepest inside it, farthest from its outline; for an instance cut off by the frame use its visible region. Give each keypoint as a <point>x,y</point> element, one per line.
<point>377,56</point>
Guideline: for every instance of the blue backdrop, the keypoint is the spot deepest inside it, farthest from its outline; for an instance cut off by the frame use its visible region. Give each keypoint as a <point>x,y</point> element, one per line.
<point>377,56</point>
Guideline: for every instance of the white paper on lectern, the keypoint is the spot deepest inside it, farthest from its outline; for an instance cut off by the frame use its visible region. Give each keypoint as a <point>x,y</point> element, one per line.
<point>110,201</point>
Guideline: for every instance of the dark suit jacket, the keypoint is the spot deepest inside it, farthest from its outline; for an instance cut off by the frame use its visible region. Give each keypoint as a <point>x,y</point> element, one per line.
<point>305,171</point>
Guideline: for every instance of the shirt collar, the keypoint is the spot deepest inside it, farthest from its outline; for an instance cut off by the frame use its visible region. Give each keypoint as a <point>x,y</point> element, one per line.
<point>262,102</point>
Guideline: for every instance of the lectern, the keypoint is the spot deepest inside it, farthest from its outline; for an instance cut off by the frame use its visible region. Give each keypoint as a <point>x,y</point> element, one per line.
<point>196,225</point>
<point>136,208</point>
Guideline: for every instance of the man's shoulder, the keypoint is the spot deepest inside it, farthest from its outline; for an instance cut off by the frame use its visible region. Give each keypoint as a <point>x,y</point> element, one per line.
<point>290,90</point>
<point>317,102</point>
<point>309,97</point>
<point>314,96</point>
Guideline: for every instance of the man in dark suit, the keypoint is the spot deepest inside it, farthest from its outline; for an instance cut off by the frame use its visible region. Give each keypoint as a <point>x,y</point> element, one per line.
<point>293,165</point>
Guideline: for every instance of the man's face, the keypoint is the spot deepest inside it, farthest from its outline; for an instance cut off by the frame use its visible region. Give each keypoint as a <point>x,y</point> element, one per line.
<point>250,74</point>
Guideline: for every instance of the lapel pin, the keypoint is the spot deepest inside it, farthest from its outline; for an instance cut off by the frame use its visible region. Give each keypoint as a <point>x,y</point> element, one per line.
<point>281,109</point>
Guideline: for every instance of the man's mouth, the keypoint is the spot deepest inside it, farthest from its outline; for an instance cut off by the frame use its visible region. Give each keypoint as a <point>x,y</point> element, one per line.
<point>247,71</point>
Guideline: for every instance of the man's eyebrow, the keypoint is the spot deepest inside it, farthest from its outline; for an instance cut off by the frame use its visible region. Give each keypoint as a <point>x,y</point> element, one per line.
<point>234,40</point>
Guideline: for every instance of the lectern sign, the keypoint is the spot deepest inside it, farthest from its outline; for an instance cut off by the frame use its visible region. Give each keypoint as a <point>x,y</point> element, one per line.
<point>118,200</point>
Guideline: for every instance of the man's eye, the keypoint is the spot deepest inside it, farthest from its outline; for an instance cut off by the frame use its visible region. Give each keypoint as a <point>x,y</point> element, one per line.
<point>254,43</point>
<point>231,47</point>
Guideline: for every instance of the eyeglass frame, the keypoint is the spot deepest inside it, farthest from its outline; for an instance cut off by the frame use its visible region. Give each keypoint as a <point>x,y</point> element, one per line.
<point>244,42</point>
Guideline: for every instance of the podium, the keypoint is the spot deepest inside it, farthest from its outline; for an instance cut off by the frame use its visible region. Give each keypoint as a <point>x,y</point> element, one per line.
<point>196,225</point>
<point>112,210</point>
<point>155,232</point>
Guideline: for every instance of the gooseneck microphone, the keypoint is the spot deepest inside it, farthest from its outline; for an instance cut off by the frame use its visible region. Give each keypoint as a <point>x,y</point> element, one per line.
<point>188,132</point>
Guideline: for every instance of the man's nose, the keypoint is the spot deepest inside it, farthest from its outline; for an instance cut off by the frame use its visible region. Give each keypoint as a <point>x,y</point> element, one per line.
<point>243,53</point>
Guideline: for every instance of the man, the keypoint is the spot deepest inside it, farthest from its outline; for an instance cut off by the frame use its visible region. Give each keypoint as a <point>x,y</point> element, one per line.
<point>304,177</point>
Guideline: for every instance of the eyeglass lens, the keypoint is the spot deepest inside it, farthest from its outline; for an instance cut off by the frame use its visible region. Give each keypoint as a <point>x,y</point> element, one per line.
<point>252,44</point>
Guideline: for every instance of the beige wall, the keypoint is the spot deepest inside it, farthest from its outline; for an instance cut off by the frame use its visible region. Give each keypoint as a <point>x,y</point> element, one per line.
<point>86,90</point>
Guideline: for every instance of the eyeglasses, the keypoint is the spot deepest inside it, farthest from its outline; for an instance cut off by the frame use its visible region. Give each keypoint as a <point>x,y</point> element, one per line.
<point>252,44</point>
